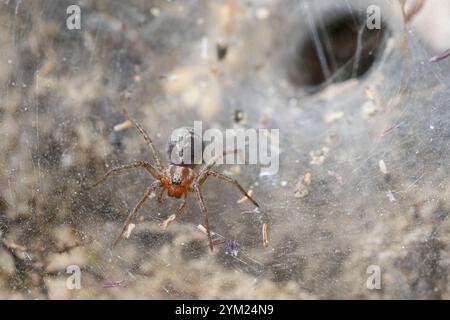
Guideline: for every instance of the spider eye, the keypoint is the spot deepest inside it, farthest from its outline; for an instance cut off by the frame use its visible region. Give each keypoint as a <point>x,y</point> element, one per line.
<point>176,181</point>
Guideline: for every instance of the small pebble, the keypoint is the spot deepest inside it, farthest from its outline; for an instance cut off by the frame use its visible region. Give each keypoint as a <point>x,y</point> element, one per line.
<point>383,167</point>
<point>155,12</point>
<point>262,13</point>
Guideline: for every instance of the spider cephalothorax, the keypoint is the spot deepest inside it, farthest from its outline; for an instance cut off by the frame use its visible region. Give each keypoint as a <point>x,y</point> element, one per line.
<point>176,179</point>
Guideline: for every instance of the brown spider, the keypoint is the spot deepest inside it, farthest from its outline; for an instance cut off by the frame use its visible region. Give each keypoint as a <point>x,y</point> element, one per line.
<point>177,180</point>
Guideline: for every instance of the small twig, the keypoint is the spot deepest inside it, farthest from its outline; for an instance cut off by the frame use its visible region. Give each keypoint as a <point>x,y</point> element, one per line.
<point>265,235</point>
<point>114,284</point>
<point>163,225</point>
<point>441,56</point>
<point>123,126</point>
<point>252,211</point>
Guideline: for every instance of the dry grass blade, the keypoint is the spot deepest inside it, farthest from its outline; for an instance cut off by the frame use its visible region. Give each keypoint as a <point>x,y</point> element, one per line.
<point>265,235</point>
<point>441,56</point>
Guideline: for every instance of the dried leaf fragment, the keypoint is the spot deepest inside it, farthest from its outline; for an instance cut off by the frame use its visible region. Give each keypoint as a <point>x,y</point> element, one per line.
<point>318,156</point>
<point>302,188</point>
<point>336,176</point>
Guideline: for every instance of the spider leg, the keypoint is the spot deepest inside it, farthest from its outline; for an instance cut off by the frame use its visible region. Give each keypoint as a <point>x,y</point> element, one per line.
<point>132,214</point>
<point>139,164</point>
<point>227,179</point>
<point>160,197</point>
<point>212,162</point>
<point>147,139</point>
<point>201,202</point>
<point>182,205</point>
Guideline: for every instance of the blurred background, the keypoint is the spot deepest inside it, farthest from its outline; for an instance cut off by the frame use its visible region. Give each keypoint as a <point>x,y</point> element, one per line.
<point>364,148</point>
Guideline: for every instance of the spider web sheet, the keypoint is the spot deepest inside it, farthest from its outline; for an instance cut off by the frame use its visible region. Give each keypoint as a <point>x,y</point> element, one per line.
<point>364,163</point>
